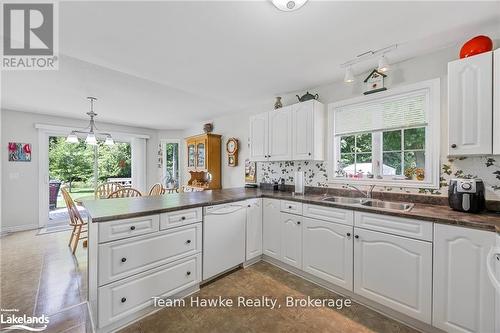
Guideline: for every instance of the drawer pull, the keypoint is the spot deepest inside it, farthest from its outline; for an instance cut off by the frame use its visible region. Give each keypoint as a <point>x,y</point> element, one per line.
<point>124,259</point>
<point>132,227</point>
<point>183,218</point>
<point>298,222</point>
<point>348,234</point>
<point>453,145</point>
<point>249,206</point>
<point>188,241</point>
<point>123,299</point>
<point>188,273</point>
<point>357,236</point>
<point>289,207</point>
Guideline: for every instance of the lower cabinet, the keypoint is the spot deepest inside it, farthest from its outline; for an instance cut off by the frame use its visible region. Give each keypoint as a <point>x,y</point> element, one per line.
<point>124,298</point>
<point>464,298</point>
<point>271,222</point>
<point>328,251</point>
<point>291,240</point>
<point>254,229</point>
<point>394,271</point>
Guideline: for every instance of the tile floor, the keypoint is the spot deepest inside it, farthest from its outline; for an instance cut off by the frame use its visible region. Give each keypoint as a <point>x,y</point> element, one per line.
<point>255,281</point>
<point>39,275</point>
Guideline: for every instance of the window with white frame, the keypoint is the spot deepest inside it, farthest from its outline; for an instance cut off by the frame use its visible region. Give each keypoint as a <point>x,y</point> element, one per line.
<point>391,138</point>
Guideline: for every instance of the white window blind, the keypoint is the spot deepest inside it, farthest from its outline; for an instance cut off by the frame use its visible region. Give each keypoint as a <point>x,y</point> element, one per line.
<point>394,112</point>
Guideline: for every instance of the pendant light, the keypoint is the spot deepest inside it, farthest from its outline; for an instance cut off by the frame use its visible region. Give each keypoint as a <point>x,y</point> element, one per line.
<point>349,75</point>
<point>288,5</point>
<point>383,65</point>
<point>89,131</point>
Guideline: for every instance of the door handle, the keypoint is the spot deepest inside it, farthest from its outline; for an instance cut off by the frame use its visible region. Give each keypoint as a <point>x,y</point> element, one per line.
<point>494,251</point>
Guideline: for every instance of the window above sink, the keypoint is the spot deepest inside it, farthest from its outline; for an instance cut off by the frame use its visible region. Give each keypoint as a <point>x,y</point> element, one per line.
<point>390,138</point>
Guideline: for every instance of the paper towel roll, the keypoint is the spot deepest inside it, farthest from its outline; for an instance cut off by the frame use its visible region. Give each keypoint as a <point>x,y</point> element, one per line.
<point>299,182</point>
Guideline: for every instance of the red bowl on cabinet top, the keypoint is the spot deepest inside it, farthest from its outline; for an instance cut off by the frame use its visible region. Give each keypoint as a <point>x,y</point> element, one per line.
<point>476,45</point>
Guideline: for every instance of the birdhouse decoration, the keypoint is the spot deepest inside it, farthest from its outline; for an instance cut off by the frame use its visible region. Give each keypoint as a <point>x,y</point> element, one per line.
<point>374,82</point>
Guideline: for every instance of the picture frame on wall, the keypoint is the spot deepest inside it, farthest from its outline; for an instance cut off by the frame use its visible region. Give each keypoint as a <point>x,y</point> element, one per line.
<point>19,152</point>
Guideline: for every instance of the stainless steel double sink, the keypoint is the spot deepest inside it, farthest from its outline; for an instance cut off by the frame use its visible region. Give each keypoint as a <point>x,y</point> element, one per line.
<point>368,202</point>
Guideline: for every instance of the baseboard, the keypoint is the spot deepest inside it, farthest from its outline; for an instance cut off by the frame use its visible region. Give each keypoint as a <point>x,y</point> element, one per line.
<point>16,228</point>
<point>388,312</point>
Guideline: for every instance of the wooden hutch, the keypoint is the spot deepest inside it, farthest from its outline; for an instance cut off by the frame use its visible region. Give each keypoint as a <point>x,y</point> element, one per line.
<point>204,161</point>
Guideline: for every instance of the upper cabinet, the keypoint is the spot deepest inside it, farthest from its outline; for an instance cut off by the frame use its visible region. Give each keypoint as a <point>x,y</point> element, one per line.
<point>295,132</point>
<point>470,105</point>
<point>496,102</point>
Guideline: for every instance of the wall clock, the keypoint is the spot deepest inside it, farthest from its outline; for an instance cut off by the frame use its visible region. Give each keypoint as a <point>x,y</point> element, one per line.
<point>232,152</point>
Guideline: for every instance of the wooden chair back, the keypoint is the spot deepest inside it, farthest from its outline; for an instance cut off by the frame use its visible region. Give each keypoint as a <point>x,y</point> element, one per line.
<point>104,190</point>
<point>75,219</point>
<point>157,189</point>
<point>125,193</point>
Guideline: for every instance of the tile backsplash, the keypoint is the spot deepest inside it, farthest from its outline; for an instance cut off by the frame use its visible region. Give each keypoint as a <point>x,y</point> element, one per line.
<point>315,174</point>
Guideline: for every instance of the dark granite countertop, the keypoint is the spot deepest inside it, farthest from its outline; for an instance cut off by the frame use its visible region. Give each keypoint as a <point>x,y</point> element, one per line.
<point>113,209</point>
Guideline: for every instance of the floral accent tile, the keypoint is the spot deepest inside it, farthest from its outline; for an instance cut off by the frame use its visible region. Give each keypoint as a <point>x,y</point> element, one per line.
<point>315,174</point>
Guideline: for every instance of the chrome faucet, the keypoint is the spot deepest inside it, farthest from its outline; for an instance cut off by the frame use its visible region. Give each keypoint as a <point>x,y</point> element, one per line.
<point>368,194</point>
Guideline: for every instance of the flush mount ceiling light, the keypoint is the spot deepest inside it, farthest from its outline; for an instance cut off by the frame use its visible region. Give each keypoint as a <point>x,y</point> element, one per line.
<point>91,135</point>
<point>349,75</point>
<point>288,5</point>
<point>383,65</point>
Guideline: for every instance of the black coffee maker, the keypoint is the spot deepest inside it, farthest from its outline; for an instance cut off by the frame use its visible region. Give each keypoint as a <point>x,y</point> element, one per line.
<point>466,195</point>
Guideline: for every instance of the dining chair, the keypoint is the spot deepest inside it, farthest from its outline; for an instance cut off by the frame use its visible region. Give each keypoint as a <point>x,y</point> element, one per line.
<point>157,189</point>
<point>125,193</point>
<point>75,220</point>
<point>104,190</point>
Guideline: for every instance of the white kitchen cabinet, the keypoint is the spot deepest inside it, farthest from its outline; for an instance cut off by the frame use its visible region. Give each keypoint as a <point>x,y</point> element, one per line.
<point>470,105</point>
<point>496,102</point>
<point>308,128</point>
<point>254,228</point>
<point>271,223</point>
<point>259,137</point>
<point>291,239</point>
<point>280,134</point>
<point>464,298</point>
<point>394,271</point>
<point>328,251</point>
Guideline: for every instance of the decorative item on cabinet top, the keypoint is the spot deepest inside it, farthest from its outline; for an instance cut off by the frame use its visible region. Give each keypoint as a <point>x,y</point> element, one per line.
<point>208,127</point>
<point>476,45</point>
<point>374,82</point>
<point>232,152</point>
<point>277,103</point>
<point>307,97</point>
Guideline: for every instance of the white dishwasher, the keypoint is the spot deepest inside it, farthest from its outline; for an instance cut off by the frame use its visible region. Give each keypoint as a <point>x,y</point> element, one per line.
<point>223,237</point>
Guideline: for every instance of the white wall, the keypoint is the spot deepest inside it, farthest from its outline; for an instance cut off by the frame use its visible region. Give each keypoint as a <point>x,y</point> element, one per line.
<point>19,180</point>
<point>410,71</point>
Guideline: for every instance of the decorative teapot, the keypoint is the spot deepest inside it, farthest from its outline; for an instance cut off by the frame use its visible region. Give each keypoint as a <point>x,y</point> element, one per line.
<point>307,96</point>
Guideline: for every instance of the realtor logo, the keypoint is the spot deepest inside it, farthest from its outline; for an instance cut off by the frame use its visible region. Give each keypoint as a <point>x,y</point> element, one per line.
<point>29,36</point>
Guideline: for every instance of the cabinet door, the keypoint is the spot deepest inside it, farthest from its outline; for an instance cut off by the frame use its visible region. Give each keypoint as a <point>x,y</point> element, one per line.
<point>201,155</point>
<point>394,271</point>
<point>291,239</point>
<point>302,129</point>
<point>464,298</point>
<point>271,228</point>
<point>496,102</point>
<point>470,98</point>
<point>191,150</point>
<point>259,137</point>
<point>280,135</point>
<point>254,228</point>
<point>328,251</point>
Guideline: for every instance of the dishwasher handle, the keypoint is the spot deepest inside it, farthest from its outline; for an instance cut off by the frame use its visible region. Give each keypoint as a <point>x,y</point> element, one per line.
<point>224,210</point>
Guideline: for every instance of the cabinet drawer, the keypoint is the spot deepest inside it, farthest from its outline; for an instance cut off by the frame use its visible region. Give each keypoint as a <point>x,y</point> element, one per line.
<point>394,225</point>
<point>329,214</point>
<point>291,207</point>
<point>124,298</point>
<point>119,229</point>
<point>180,217</point>
<point>130,256</point>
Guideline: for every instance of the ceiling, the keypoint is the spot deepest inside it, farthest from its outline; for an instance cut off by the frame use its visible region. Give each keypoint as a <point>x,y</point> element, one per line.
<point>168,64</point>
